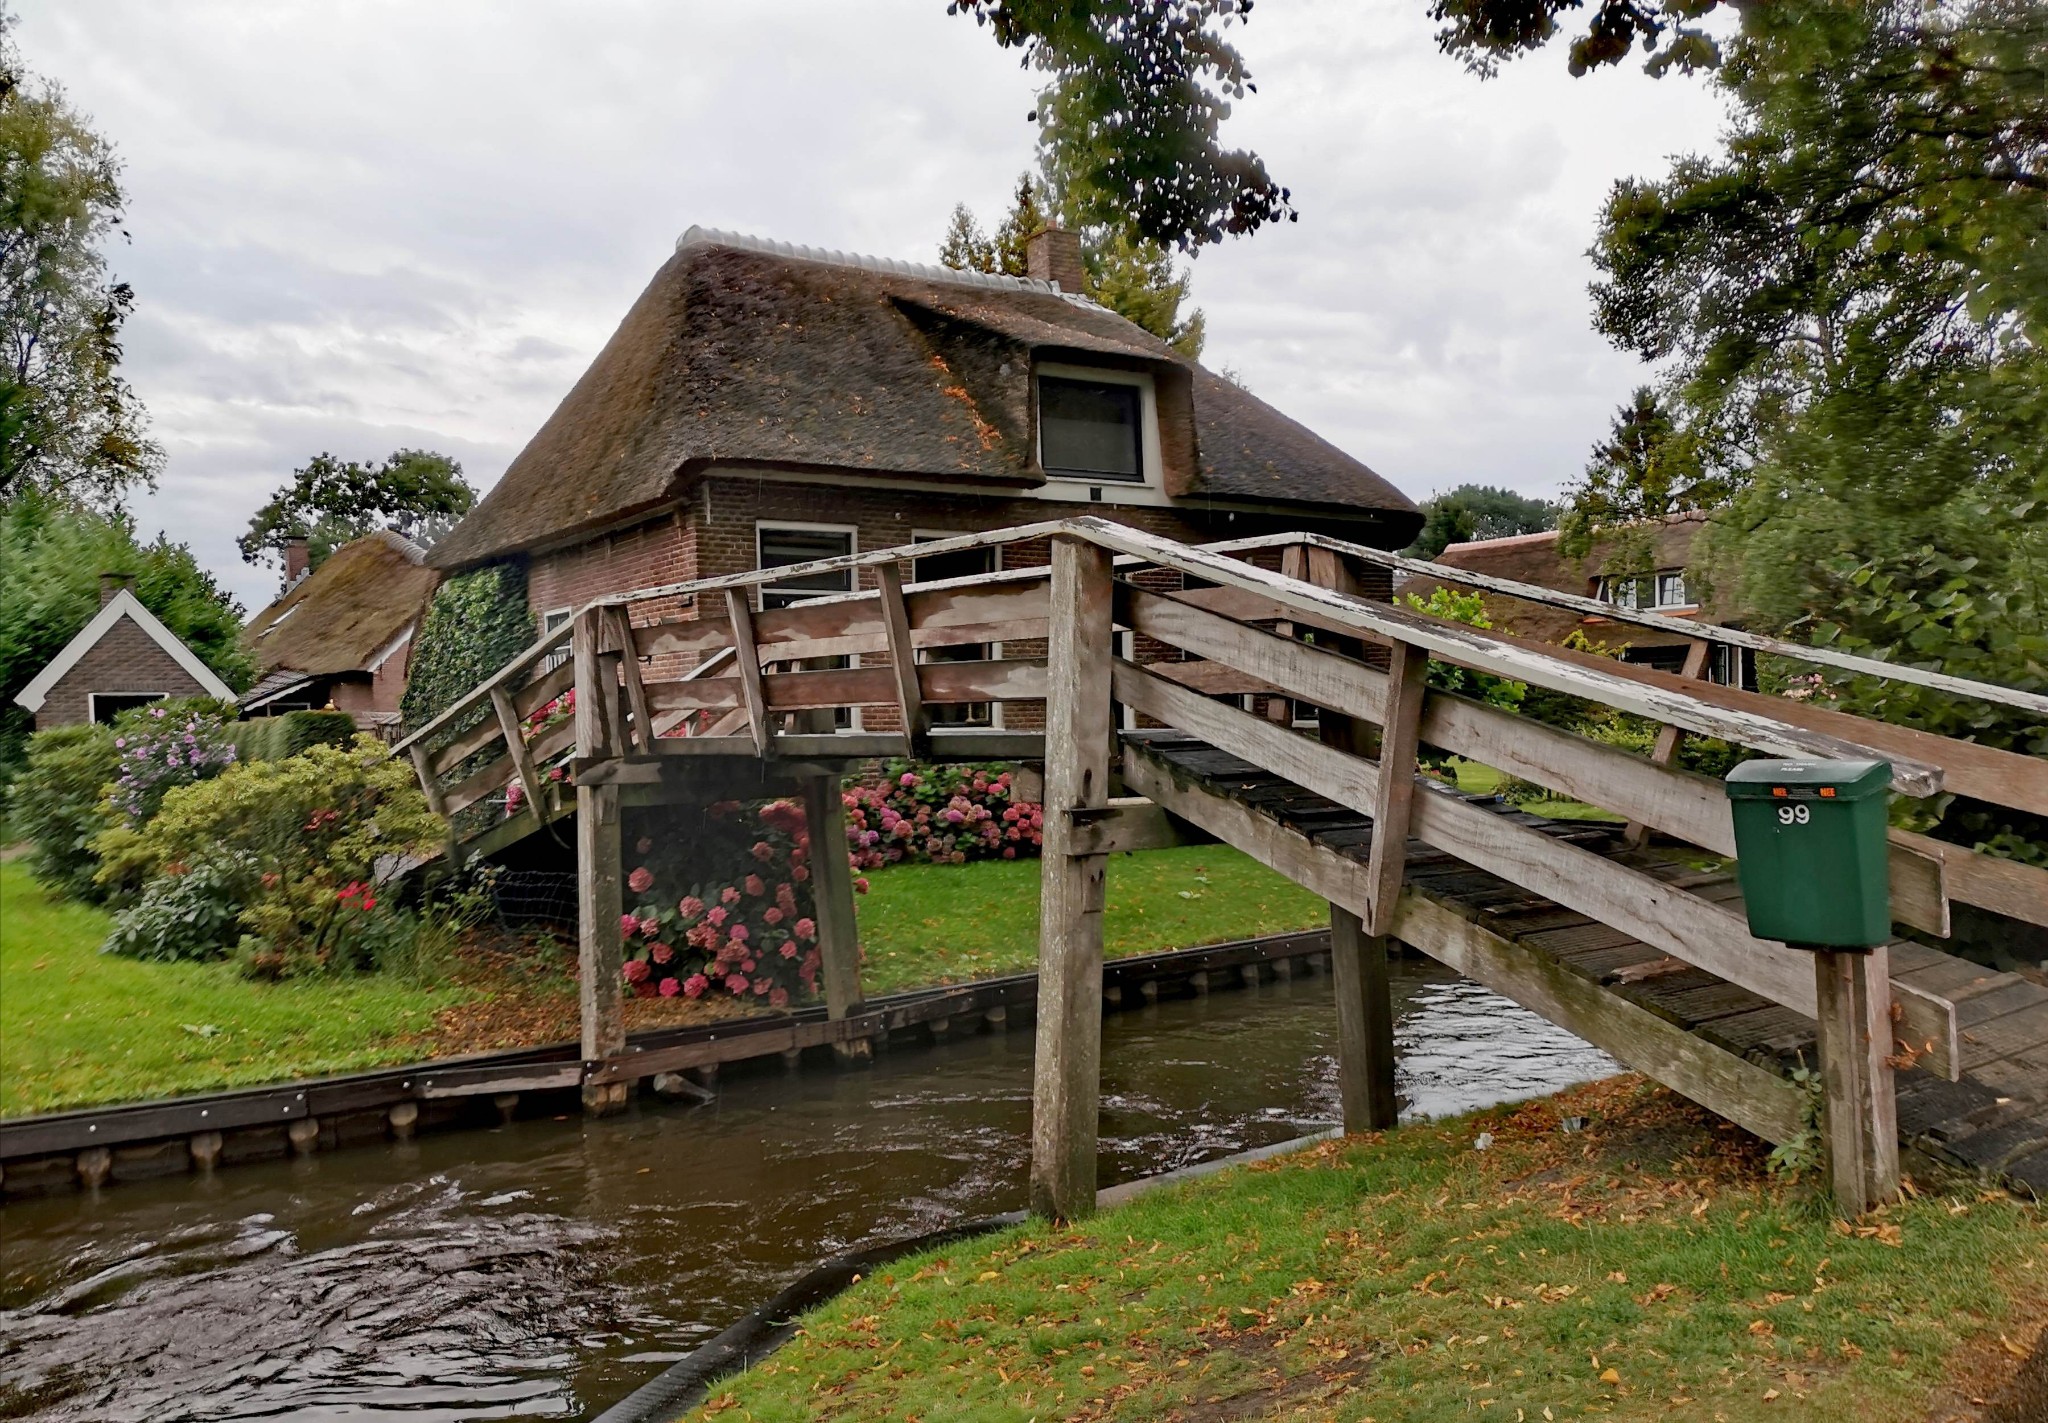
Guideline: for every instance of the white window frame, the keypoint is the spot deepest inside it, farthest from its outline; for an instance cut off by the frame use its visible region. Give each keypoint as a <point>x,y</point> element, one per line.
<point>551,621</point>
<point>92,702</point>
<point>1149,464</point>
<point>802,526</point>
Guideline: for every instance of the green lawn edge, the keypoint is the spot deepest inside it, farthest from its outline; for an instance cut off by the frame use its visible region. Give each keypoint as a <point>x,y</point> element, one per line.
<point>1646,1267</point>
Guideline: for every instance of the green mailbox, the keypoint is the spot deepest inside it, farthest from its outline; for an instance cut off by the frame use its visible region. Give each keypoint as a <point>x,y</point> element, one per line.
<point>1810,849</point>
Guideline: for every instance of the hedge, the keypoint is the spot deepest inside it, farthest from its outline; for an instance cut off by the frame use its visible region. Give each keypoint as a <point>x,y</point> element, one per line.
<point>277,738</point>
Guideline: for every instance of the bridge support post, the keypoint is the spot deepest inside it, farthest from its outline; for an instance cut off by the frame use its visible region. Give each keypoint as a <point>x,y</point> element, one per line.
<point>1067,1068</point>
<point>599,893</point>
<point>1861,1114</point>
<point>1365,1024</point>
<point>832,886</point>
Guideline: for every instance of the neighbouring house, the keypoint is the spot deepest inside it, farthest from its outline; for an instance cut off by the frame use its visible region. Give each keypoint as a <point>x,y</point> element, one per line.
<point>124,657</point>
<point>763,405</point>
<point>1663,583</point>
<point>341,635</point>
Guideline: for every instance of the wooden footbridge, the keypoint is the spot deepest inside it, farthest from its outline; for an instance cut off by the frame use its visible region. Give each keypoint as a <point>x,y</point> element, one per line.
<point>1248,692</point>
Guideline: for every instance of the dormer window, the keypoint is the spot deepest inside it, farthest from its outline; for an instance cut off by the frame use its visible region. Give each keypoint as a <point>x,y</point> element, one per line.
<point>1093,427</point>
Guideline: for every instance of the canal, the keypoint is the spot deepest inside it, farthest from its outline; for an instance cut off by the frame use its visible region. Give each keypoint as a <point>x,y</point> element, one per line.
<point>546,1269</point>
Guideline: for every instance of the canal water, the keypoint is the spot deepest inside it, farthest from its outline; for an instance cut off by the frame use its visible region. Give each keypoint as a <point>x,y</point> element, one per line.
<point>547,1269</point>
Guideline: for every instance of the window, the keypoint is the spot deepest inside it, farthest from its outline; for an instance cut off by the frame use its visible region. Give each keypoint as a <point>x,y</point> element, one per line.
<point>108,705</point>
<point>1091,429</point>
<point>550,620</point>
<point>779,546</point>
<point>1643,591</point>
<point>964,563</point>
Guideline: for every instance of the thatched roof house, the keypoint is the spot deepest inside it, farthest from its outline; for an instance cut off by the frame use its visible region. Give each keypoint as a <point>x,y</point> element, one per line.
<point>342,634</point>
<point>757,390</point>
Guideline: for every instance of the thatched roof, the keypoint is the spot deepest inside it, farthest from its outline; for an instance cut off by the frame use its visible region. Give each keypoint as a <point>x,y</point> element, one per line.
<point>342,614</point>
<point>754,353</point>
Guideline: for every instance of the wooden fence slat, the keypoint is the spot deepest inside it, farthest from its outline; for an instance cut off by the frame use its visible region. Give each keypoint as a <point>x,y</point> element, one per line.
<point>642,728</point>
<point>515,738</point>
<point>1665,749</point>
<point>901,655</point>
<point>740,614</point>
<point>543,689</point>
<point>475,787</point>
<point>832,883</point>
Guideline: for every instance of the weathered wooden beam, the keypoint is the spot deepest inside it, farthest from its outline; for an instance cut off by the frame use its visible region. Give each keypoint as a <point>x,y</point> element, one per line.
<point>740,613</point>
<point>1365,1023</point>
<point>1066,1072</point>
<point>1853,992</point>
<point>902,655</point>
<point>1407,676</point>
<point>832,890</point>
<point>641,732</point>
<point>515,738</point>
<point>599,905</point>
<point>1665,749</point>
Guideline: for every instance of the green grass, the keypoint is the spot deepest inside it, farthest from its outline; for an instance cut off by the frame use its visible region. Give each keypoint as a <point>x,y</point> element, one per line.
<point>79,1027</point>
<point>1642,1269</point>
<point>924,924</point>
<point>1485,780</point>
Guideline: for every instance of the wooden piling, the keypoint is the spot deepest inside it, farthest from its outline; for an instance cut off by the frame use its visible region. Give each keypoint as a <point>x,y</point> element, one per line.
<point>832,890</point>
<point>1860,1116</point>
<point>1066,1086</point>
<point>1365,1024</point>
<point>600,901</point>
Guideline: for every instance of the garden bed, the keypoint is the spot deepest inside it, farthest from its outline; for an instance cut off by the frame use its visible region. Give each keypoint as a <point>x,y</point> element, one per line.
<point>1644,1265</point>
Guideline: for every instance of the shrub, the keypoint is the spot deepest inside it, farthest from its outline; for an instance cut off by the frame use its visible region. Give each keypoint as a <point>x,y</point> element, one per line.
<point>277,738</point>
<point>725,909</point>
<point>477,622</point>
<point>194,915</point>
<point>164,746</point>
<point>56,805</point>
<point>300,841</point>
<point>945,815</point>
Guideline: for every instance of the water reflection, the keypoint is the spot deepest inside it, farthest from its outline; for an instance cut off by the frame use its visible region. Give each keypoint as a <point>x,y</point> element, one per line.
<point>546,1269</point>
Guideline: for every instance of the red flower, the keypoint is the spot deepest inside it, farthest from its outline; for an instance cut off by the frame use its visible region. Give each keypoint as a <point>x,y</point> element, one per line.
<point>641,880</point>
<point>694,985</point>
<point>772,914</point>
<point>805,929</point>
<point>763,851</point>
<point>860,885</point>
<point>635,970</point>
<point>755,886</point>
<point>800,874</point>
<point>661,953</point>
<point>669,988</point>
<point>628,925</point>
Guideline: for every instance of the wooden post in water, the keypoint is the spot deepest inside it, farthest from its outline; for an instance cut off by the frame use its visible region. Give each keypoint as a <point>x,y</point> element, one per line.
<point>1861,1112</point>
<point>832,892</point>
<point>1358,958</point>
<point>599,900</point>
<point>1066,1085</point>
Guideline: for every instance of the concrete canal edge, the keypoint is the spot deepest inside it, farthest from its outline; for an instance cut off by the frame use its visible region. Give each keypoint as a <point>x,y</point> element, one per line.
<point>758,1333</point>
<point>96,1147</point>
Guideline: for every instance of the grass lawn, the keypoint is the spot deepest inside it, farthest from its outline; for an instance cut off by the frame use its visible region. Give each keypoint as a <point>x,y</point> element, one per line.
<point>923,924</point>
<point>1646,1267</point>
<point>79,1027</point>
<point>1485,780</point>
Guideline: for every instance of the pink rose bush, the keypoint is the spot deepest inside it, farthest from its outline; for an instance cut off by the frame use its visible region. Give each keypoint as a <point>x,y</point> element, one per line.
<point>941,815</point>
<point>728,913</point>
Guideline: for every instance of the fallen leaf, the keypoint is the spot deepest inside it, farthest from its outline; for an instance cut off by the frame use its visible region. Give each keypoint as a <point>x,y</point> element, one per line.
<point>1610,1375</point>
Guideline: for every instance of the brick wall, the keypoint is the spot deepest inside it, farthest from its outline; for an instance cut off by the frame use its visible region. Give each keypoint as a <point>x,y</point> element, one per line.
<point>127,659</point>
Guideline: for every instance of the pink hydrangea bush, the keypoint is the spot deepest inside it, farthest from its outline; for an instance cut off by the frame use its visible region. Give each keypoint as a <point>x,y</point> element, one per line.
<point>729,913</point>
<point>942,815</point>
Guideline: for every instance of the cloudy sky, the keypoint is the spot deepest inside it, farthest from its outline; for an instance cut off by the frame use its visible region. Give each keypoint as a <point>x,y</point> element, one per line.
<point>365,224</point>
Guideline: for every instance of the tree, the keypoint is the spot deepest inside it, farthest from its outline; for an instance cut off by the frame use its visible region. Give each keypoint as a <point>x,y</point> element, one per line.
<point>1130,119</point>
<point>1478,511</point>
<point>1485,32</point>
<point>1647,469</point>
<point>329,502</point>
<point>1131,276</point>
<point>68,422</point>
<point>52,551</point>
<point>1850,303</point>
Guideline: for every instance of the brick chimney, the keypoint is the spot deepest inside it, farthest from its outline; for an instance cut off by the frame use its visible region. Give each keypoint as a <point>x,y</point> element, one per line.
<point>1054,255</point>
<point>295,559</point>
<point>112,583</point>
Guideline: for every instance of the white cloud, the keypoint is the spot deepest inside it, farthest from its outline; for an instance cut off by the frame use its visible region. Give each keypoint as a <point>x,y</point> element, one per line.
<point>372,224</point>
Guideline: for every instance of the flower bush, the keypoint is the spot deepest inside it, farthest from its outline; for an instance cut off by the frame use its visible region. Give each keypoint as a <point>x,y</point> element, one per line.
<point>543,720</point>
<point>941,815</point>
<point>57,805</point>
<point>163,747</point>
<point>294,845</point>
<point>726,910</point>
